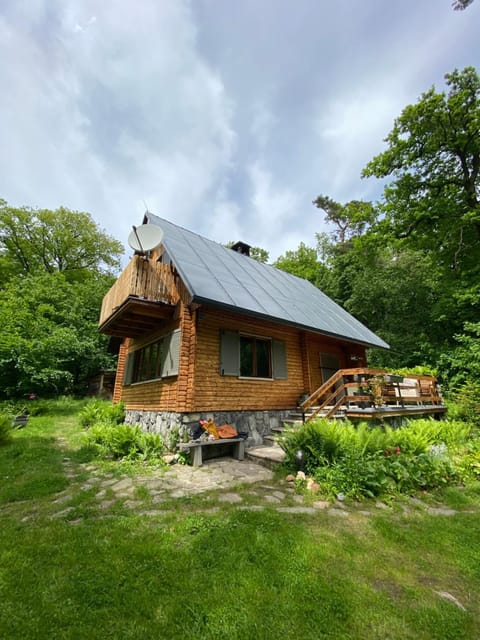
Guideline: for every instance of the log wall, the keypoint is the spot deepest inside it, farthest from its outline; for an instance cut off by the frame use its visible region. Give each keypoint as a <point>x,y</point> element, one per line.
<point>199,387</point>
<point>214,392</point>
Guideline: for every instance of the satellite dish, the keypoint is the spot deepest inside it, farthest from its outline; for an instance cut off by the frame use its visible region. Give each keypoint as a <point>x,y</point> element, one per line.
<point>145,237</point>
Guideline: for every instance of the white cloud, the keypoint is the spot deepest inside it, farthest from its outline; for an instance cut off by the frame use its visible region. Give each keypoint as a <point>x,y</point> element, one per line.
<point>119,110</point>
<point>217,123</point>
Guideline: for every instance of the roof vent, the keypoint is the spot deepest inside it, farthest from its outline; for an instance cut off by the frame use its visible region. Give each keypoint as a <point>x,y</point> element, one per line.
<point>241,247</point>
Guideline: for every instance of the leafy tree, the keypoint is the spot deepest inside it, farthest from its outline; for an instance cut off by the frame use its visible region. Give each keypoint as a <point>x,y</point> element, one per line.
<point>432,204</point>
<point>49,340</point>
<point>302,263</point>
<point>434,157</point>
<point>33,240</point>
<point>350,219</point>
<point>461,363</point>
<point>259,254</point>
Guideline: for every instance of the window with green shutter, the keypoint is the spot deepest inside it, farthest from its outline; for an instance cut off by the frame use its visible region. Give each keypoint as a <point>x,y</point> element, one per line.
<point>252,356</point>
<point>158,359</point>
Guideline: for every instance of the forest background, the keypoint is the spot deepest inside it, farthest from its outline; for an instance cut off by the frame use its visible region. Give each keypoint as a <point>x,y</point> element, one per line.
<point>407,266</point>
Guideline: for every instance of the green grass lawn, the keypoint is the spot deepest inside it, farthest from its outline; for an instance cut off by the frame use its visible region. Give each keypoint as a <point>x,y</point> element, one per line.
<point>231,574</point>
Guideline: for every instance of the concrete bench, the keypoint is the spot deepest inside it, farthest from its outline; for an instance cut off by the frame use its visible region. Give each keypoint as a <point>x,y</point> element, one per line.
<point>197,447</point>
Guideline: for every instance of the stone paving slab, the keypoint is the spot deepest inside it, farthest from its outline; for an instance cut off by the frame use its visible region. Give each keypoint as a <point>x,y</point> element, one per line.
<point>222,475</point>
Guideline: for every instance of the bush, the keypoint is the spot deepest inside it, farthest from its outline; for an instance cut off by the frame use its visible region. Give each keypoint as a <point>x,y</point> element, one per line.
<point>124,441</point>
<point>101,411</point>
<point>367,461</point>
<point>464,403</point>
<point>6,423</point>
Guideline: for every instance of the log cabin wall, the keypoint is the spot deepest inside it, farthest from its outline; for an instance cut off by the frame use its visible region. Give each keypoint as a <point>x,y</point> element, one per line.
<point>214,392</point>
<point>316,345</point>
<point>121,362</point>
<point>150,394</point>
<point>167,394</point>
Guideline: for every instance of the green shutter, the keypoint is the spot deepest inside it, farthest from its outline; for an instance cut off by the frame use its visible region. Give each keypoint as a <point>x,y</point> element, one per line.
<point>171,354</point>
<point>279,357</point>
<point>229,353</point>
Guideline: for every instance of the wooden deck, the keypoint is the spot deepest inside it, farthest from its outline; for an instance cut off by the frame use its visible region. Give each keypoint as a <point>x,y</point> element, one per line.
<point>144,294</point>
<point>373,394</point>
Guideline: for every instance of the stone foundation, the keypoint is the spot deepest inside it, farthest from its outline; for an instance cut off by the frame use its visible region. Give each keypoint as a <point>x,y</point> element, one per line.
<point>174,427</point>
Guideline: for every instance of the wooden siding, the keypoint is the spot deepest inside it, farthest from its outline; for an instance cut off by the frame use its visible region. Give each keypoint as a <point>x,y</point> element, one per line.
<point>213,392</point>
<point>317,344</point>
<point>151,394</point>
<point>146,279</point>
<point>121,362</point>
<point>199,387</point>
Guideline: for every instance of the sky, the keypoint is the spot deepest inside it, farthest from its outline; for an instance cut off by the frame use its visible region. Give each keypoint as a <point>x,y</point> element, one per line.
<point>225,117</point>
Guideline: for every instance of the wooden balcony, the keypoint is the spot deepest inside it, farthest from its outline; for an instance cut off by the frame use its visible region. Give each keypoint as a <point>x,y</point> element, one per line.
<point>144,295</point>
<point>374,394</point>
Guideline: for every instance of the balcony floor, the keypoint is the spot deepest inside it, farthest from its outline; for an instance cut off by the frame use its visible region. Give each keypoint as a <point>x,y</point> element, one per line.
<point>135,317</point>
<point>376,413</point>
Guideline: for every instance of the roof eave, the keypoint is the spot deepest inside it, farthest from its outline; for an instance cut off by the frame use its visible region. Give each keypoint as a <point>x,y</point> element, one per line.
<point>262,316</point>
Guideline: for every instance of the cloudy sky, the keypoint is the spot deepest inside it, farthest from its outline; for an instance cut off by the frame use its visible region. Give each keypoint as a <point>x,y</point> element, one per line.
<point>225,117</point>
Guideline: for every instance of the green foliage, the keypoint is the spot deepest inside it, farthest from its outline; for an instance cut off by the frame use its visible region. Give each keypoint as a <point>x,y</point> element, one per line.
<point>465,403</point>
<point>98,410</point>
<point>367,461</point>
<point>461,363</point>
<point>123,441</point>
<point>303,263</point>
<point>111,440</point>
<point>55,241</point>
<point>431,206</point>
<point>49,343</point>
<point>350,219</point>
<point>5,428</point>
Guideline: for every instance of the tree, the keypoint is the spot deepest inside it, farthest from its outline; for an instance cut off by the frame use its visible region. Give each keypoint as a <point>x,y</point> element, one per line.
<point>432,204</point>
<point>259,254</point>
<point>302,263</point>
<point>461,5</point>
<point>350,219</point>
<point>434,157</point>
<point>34,240</point>
<point>49,341</point>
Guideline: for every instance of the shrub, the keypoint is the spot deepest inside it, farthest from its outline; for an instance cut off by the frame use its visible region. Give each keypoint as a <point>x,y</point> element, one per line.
<point>370,461</point>
<point>465,403</point>
<point>5,428</point>
<point>101,411</point>
<point>322,442</point>
<point>123,441</point>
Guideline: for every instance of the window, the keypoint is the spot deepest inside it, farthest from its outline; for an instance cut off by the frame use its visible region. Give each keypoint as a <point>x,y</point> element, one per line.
<point>251,356</point>
<point>158,359</point>
<point>255,357</point>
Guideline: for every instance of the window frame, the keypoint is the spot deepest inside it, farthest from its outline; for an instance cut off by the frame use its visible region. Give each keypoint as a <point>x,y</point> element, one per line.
<point>254,340</point>
<point>154,361</point>
<point>230,358</point>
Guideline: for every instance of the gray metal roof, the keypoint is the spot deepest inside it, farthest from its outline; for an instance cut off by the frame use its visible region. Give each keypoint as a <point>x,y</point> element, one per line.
<point>219,276</point>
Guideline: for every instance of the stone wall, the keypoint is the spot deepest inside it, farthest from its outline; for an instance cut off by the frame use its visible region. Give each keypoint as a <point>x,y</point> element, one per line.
<point>171,426</point>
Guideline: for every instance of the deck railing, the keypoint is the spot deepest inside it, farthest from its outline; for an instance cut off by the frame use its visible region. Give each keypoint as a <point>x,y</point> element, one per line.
<point>144,279</point>
<point>370,388</point>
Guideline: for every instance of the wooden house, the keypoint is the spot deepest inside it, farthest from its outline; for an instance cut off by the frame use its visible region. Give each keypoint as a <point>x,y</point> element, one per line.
<point>208,332</point>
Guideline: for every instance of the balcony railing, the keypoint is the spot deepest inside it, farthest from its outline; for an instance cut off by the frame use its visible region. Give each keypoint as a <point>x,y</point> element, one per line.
<point>142,282</point>
<point>373,393</point>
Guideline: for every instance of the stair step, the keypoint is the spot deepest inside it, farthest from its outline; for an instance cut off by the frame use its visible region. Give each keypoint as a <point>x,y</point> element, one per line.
<point>271,439</point>
<point>269,456</point>
<point>293,422</point>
